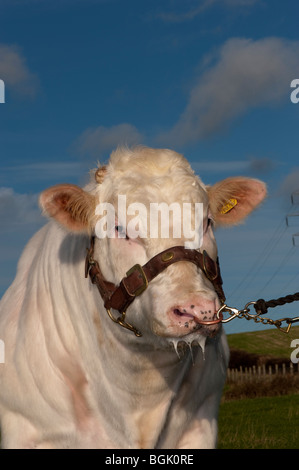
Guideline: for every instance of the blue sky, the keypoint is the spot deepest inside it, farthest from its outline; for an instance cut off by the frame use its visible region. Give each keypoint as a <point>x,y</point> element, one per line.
<point>210,79</point>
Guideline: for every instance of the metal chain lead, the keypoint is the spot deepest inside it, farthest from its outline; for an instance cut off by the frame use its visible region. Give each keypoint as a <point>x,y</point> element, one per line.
<point>256,317</point>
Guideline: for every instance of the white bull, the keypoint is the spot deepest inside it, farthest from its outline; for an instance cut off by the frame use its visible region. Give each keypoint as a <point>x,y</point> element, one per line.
<point>72,378</point>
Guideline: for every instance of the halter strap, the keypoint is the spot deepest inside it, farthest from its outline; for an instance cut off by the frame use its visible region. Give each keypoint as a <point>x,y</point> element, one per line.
<point>138,277</point>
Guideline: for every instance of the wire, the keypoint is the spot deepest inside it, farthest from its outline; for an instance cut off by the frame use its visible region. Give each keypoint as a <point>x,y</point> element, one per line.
<point>263,256</point>
<point>289,283</point>
<point>284,261</point>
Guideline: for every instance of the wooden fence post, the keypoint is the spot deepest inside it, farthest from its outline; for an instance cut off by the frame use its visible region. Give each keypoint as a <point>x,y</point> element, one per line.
<point>260,372</point>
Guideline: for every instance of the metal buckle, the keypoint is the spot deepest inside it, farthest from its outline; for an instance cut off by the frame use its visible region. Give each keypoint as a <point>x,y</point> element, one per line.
<point>142,288</point>
<point>121,321</point>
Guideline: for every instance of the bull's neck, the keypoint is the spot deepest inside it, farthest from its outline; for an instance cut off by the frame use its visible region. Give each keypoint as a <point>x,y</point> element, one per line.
<point>139,357</point>
<point>140,384</point>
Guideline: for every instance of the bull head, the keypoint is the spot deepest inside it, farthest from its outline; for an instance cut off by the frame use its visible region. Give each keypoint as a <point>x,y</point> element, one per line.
<point>175,309</point>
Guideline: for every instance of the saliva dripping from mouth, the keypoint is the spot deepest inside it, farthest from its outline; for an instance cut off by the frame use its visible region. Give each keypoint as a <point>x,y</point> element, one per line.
<point>193,340</point>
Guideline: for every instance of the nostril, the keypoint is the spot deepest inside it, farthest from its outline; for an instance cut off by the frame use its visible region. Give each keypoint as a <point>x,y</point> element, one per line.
<point>182,312</point>
<point>177,312</point>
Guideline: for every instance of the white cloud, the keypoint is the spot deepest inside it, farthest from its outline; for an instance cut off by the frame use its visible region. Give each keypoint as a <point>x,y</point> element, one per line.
<point>41,171</point>
<point>17,210</point>
<point>241,3</point>
<point>15,72</point>
<point>175,17</point>
<point>99,141</point>
<point>213,166</point>
<point>250,165</point>
<point>199,8</point>
<point>246,74</point>
<point>290,185</point>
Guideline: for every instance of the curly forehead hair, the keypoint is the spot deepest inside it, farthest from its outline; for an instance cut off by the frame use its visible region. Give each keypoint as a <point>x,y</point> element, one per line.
<point>165,174</point>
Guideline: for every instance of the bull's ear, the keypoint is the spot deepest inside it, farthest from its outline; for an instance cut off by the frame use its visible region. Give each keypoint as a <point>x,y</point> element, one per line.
<point>70,205</point>
<point>232,199</point>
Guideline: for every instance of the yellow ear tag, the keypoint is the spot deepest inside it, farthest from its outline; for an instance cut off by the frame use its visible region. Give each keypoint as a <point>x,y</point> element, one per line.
<point>228,206</point>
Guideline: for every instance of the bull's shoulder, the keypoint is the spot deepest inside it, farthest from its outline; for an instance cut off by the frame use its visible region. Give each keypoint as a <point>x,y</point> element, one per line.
<point>16,293</point>
<point>32,248</point>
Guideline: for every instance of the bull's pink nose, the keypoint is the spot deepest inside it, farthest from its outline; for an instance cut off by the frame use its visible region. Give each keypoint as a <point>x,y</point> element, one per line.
<point>199,312</point>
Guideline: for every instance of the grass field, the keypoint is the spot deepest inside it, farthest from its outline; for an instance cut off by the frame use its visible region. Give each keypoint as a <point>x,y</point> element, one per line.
<point>265,341</point>
<point>271,419</point>
<point>260,423</point>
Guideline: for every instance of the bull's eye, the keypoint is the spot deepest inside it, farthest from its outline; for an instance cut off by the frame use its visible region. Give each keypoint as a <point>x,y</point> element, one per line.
<point>121,231</point>
<point>210,222</point>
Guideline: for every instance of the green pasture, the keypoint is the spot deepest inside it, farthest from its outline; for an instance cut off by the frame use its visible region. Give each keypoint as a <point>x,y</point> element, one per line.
<point>260,423</point>
<point>268,342</point>
<point>263,422</point>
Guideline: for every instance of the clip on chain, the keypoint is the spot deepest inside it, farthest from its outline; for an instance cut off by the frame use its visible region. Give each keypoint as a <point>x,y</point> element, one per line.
<point>261,307</point>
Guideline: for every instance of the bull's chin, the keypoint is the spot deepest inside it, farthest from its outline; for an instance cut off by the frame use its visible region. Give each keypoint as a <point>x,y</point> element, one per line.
<point>184,338</point>
<point>190,342</point>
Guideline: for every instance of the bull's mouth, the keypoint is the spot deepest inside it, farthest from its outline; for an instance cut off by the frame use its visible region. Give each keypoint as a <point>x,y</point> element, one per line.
<point>190,323</point>
<point>192,331</point>
<point>206,319</point>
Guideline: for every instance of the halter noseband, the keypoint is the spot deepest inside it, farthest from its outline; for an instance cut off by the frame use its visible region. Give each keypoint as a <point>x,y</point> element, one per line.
<point>138,277</point>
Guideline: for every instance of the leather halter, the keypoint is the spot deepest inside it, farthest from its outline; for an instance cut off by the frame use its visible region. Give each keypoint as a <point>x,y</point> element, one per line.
<point>138,277</point>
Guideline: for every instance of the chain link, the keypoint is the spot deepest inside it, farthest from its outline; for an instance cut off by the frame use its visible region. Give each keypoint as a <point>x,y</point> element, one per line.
<point>256,317</point>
